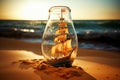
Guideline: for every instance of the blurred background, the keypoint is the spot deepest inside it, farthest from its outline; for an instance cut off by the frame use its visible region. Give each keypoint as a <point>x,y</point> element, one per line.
<point>97,22</point>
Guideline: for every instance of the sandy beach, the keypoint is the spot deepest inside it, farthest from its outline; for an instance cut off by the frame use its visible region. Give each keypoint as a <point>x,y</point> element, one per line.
<point>101,65</point>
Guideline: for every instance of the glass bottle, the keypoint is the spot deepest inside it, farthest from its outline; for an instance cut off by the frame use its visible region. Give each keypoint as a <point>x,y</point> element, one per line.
<point>59,41</point>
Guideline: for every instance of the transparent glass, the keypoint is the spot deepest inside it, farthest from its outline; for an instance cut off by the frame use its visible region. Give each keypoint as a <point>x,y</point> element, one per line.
<point>59,41</point>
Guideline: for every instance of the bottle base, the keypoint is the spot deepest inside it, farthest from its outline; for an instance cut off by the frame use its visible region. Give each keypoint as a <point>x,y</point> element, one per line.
<point>62,62</point>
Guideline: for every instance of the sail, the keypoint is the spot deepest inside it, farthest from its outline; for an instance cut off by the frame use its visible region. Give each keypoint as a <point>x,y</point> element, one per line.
<point>62,24</point>
<point>53,51</point>
<point>60,38</point>
<point>62,48</point>
<point>57,49</point>
<point>67,47</point>
<point>67,44</point>
<point>61,31</point>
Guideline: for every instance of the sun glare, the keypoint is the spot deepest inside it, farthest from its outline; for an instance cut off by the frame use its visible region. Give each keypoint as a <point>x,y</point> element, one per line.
<point>35,11</point>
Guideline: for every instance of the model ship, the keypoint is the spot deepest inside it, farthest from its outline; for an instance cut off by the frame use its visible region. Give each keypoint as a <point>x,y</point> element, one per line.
<point>62,50</point>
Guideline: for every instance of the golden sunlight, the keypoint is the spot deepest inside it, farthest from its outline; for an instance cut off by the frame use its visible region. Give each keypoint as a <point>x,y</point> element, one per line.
<point>35,11</point>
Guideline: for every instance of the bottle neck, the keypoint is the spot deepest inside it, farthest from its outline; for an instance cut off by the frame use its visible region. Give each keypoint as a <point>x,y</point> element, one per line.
<point>59,16</point>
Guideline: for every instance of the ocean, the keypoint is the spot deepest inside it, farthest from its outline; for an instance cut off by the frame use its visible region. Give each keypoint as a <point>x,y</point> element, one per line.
<point>92,34</point>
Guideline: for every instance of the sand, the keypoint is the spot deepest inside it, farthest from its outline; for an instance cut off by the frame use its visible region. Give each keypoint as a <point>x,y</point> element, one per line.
<point>96,64</point>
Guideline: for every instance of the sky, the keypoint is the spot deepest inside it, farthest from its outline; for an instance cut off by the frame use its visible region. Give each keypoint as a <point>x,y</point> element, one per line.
<point>80,9</point>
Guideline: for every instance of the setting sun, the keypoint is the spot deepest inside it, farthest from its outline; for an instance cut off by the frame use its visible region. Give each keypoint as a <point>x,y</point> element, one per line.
<point>34,11</point>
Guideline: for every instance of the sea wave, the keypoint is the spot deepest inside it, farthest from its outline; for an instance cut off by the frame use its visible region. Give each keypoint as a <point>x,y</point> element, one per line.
<point>106,33</point>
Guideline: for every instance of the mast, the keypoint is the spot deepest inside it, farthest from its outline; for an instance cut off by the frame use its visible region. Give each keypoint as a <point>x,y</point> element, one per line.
<point>62,46</point>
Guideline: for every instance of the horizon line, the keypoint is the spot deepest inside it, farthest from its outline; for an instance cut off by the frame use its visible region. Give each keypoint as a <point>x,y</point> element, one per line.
<point>46,19</point>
